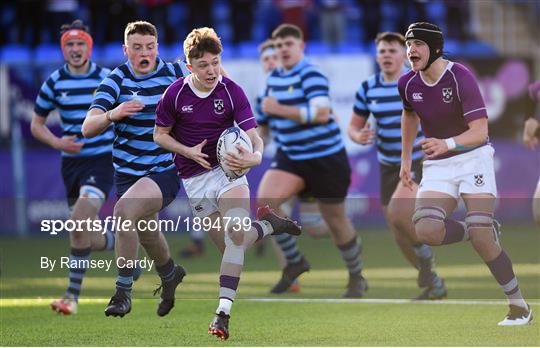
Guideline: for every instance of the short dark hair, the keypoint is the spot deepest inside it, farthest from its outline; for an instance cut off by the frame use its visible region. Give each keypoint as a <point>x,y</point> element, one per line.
<point>266,44</point>
<point>285,30</point>
<point>390,36</point>
<point>140,27</point>
<point>76,24</point>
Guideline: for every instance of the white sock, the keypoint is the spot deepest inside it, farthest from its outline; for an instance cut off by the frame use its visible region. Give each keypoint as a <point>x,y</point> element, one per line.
<point>224,306</point>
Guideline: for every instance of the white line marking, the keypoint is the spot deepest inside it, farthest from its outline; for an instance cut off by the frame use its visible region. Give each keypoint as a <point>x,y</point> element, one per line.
<point>388,300</point>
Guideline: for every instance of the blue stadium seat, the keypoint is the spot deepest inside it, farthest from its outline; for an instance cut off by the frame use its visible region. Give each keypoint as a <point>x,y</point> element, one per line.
<point>15,54</point>
<point>318,48</point>
<point>48,53</point>
<point>247,49</point>
<point>113,54</point>
<point>350,48</point>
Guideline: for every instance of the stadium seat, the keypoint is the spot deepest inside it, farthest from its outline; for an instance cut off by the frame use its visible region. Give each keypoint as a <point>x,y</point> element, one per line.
<point>318,48</point>
<point>113,54</point>
<point>15,54</point>
<point>50,53</point>
<point>247,49</point>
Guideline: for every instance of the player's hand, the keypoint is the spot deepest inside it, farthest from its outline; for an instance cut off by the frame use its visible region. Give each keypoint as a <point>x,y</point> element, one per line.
<point>195,153</point>
<point>126,109</point>
<point>529,138</point>
<point>364,136</point>
<point>405,174</point>
<point>269,105</point>
<point>68,144</point>
<point>243,159</point>
<point>433,147</point>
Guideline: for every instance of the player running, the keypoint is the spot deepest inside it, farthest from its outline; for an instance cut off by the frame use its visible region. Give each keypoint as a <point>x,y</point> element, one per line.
<point>87,169</point>
<point>378,95</point>
<point>444,97</point>
<point>145,175</point>
<point>191,115</point>
<point>311,156</point>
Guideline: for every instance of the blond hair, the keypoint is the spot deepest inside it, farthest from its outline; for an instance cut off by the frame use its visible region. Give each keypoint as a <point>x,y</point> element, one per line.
<point>200,41</point>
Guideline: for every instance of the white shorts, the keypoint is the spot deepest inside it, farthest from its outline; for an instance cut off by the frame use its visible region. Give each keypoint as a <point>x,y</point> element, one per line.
<point>204,190</point>
<point>471,172</point>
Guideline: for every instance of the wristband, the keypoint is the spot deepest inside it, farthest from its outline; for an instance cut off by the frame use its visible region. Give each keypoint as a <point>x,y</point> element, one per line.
<point>450,143</point>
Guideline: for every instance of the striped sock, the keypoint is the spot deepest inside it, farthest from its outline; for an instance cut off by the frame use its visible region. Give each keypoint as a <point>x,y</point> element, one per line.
<point>501,268</point>
<point>287,243</point>
<point>124,280</point>
<point>76,271</point>
<point>166,272</point>
<point>227,293</point>
<point>110,238</point>
<point>350,252</point>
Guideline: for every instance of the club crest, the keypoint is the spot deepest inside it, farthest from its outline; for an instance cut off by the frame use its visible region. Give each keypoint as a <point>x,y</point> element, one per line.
<point>447,95</point>
<point>479,180</point>
<point>219,106</point>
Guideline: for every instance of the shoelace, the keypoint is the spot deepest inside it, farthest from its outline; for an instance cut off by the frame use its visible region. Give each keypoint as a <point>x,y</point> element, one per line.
<point>158,290</point>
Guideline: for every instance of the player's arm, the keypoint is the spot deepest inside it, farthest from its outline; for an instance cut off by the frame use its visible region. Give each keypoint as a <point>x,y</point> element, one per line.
<point>409,128</point>
<point>264,133</point>
<point>360,130</point>
<point>317,112</point>
<point>162,137</point>
<point>97,120</point>
<point>41,132</point>
<point>531,133</point>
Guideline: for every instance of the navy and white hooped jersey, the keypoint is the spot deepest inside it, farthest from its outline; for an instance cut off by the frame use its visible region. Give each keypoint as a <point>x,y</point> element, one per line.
<point>134,150</point>
<point>72,95</point>
<point>382,99</point>
<point>296,87</point>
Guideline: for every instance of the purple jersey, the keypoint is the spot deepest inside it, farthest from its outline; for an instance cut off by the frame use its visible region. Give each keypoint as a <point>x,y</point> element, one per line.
<point>195,116</point>
<point>446,107</point>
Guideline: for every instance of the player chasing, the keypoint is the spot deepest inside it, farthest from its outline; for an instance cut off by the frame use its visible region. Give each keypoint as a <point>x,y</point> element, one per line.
<point>145,175</point>
<point>87,169</point>
<point>191,115</point>
<point>378,95</point>
<point>311,156</point>
<point>445,98</point>
<point>309,214</point>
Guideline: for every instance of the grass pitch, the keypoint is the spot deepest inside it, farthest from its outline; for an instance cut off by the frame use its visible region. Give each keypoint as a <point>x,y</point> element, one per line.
<point>309,318</point>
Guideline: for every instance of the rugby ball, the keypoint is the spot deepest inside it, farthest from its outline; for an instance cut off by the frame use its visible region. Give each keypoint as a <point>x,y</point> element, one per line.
<point>227,143</point>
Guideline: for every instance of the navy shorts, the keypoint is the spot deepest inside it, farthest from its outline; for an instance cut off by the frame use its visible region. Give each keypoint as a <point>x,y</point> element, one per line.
<point>96,171</point>
<point>326,178</point>
<point>168,182</point>
<point>390,178</point>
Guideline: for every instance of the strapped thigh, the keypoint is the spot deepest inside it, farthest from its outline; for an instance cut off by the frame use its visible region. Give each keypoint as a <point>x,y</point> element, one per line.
<point>429,212</point>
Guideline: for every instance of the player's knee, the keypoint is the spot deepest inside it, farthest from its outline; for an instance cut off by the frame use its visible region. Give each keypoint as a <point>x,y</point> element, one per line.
<point>123,210</point>
<point>93,195</point>
<point>399,213</point>
<point>237,223</point>
<point>80,239</point>
<point>313,224</point>
<point>429,224</point>
<point>482,233</point>
<point>234,253</point>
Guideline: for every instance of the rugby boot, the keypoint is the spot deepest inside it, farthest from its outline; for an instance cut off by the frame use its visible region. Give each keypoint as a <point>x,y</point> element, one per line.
<point>433,293</point>
<point>167,289</point>
<point>279,225</point>
<point>66,305</point>
<point>357,287</point>
<point>119,305</point>
<point>219,327</point>
<point>517,316</point>
<point>290,273</point>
